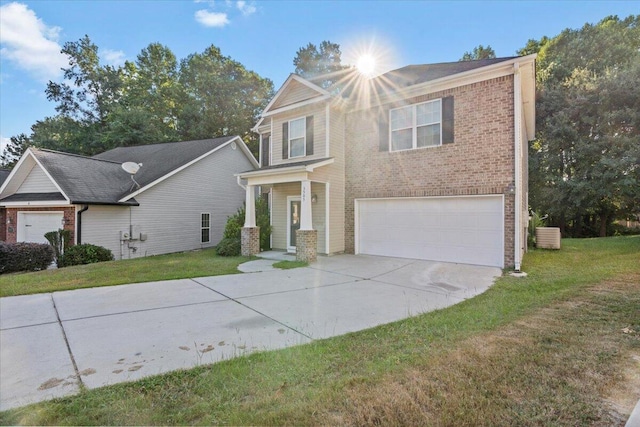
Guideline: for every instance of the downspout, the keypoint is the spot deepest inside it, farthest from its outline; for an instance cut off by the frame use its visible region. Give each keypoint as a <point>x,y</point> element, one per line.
<point>79,225</point>
<point>517,117</point>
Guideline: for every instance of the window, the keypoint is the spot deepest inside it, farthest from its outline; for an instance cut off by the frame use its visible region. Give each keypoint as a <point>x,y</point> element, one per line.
<point>205,224</point>
<point>416,126</point>
<point>297,133</point>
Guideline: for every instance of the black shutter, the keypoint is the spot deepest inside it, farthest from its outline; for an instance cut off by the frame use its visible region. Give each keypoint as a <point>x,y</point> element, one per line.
<point>447,120</point>
<point>309,135</point>
<point>266,139</point>
<point>285,140</point>
<point>383,131</point>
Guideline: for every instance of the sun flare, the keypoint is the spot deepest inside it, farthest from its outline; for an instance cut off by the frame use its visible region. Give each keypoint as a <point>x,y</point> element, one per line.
<point>366,65</point>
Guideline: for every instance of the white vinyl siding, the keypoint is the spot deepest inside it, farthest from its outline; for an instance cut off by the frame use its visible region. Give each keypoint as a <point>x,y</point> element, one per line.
<point>37,182</point>
<point>416,126</point>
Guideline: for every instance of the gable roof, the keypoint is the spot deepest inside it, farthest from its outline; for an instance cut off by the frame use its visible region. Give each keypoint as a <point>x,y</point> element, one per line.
<point>101,180</point>
<point>276,105</point>
<point>415,74</point>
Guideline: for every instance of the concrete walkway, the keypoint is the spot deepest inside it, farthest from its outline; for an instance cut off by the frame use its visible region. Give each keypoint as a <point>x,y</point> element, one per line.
<point>51,343</point>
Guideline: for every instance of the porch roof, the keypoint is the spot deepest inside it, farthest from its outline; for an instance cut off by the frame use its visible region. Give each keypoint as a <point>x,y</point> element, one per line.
<point>287,172</point>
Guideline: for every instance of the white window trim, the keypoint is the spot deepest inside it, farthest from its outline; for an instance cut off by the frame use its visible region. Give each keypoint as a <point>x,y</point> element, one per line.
<point>205,228</point>
<point>414,127</point>
<point>304,137</point>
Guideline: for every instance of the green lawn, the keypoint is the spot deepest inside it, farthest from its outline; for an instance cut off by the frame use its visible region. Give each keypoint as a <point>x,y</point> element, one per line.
<point>162,267</point>
<point>559,347</point>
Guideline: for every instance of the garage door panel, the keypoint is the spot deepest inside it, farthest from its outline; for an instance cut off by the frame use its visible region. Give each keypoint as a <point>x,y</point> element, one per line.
<point>462,229</point>
<point>32,226</point>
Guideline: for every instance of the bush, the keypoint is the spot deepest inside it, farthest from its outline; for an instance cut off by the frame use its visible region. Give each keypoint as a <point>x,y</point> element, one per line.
<point>84,254</point>
<point>59,240</point>
<point>24,257</point>
<point>229,247</point>
<point>233,228</point>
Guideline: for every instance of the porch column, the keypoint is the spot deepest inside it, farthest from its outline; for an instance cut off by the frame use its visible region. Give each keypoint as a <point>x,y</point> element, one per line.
<point>306,236</point>
<point>305,208</point>
<point>250,234</point>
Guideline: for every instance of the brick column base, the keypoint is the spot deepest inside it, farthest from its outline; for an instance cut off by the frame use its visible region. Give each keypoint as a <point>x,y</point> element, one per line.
<point>250,241</point>
<point>307,245</point>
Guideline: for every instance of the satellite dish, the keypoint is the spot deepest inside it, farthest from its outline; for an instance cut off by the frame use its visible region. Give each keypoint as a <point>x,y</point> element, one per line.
<point>131,167</point>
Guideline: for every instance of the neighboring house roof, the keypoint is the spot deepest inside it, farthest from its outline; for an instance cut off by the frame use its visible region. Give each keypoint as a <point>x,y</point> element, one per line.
<point>101,179</point>
<point>4,174</point>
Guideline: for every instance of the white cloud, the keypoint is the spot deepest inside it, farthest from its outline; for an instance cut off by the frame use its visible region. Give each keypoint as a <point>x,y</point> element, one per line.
<point>211,19</point>
<point>246,8</point>
<point>29,43</point>
<point>115,58</point>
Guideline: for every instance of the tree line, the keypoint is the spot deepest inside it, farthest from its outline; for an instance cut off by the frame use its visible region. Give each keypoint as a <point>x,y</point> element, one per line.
<point>584,165</point>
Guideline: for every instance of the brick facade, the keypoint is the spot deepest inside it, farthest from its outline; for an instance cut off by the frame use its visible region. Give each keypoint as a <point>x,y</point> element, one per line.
<point>250,241</point>
<point>3,224</point>
<point>11,225</point>
<point>306,245</point>
<point>479,161</point>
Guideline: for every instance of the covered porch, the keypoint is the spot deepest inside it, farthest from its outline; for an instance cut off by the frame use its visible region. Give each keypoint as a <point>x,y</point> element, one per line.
<point>298,201</point>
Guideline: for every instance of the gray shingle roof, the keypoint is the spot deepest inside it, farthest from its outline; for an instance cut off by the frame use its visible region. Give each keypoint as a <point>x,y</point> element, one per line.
<point>31,197</point>
<point>416,74</point>
<point>4,174</point>
<point>101,179</point>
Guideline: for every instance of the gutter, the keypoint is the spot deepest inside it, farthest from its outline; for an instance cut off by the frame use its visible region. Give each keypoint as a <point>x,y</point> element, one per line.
<point>517,125</point>
<point>79,225</point>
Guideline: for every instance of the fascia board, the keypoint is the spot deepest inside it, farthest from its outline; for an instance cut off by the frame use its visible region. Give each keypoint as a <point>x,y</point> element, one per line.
<point>296,105</point>
<point>35,204</point>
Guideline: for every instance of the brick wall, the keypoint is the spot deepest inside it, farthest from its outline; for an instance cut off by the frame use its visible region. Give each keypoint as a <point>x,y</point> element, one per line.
<point>3,224</point>
<point>12,216</point>
<point>480,161</point>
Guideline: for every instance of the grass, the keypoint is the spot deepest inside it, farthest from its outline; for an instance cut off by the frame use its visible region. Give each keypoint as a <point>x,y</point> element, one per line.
<point>559,347</point>
<point>162,267</point>
<point>286,265</point>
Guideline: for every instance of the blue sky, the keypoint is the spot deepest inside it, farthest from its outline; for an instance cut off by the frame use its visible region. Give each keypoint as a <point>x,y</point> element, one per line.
<point>263,35</point>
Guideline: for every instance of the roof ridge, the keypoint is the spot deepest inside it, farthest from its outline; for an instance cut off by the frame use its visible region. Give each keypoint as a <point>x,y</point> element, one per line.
<point>172,142</point>
<point>503,58</point>
<point>73,155</point>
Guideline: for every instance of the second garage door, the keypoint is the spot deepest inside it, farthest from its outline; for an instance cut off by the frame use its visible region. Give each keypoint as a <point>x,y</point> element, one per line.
<point>467,230</point>
<point>32,226</point>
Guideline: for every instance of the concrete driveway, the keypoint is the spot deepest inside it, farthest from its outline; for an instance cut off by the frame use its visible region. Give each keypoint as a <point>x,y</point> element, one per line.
<point>51,343</point>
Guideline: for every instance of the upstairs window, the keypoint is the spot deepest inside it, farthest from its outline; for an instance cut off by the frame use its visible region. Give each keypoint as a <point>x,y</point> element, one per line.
<point>416,126</point>
<point>297,138</point>
<point>297,134</point>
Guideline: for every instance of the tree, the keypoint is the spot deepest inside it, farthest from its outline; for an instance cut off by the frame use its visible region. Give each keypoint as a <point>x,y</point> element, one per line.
<point>585,163</point>
<point>311,62</point>
<point>220,97</point>
<point>14,150</point>
<point>479,52</point>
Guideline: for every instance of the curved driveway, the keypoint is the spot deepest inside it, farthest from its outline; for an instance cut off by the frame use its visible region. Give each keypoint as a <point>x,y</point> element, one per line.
<point>51,343</point>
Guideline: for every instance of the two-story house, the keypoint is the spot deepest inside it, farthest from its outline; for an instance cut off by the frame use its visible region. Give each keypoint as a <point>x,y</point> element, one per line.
<point>425,162</point>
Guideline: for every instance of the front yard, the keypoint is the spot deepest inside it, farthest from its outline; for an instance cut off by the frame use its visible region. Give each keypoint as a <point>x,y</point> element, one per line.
<point>559,347</point>
<point>150,269</point>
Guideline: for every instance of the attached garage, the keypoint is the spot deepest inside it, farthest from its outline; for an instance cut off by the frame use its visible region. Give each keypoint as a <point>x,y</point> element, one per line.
<point>467,229</point>
<point>32,226</point>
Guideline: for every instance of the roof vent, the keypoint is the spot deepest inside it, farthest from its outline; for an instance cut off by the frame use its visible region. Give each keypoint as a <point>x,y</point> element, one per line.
<point>132,168</point>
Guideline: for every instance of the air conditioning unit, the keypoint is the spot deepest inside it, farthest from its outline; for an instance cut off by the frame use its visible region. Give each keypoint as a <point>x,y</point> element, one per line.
<point>548,237</point>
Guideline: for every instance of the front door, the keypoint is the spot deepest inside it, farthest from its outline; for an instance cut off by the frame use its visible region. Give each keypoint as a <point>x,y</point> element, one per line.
<point>293,221</point>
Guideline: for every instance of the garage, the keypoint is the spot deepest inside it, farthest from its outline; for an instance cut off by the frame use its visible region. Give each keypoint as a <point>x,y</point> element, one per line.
<point>32,226</point>
<point>468,229</point>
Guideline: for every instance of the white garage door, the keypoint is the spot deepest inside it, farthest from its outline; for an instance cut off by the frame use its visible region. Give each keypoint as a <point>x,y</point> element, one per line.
<point>465,230</point>
<point>33,225</point>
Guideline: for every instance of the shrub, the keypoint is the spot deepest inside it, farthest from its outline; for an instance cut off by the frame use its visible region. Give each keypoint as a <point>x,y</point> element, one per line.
<point>233,228</point>
<point>24,257</point>
<point>84,254</point>
<point>229,247</point>
<point>59,240</point>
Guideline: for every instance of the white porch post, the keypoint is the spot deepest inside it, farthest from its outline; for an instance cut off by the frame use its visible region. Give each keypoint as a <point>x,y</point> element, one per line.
<point>250,208</point>
<point>305,208</point>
